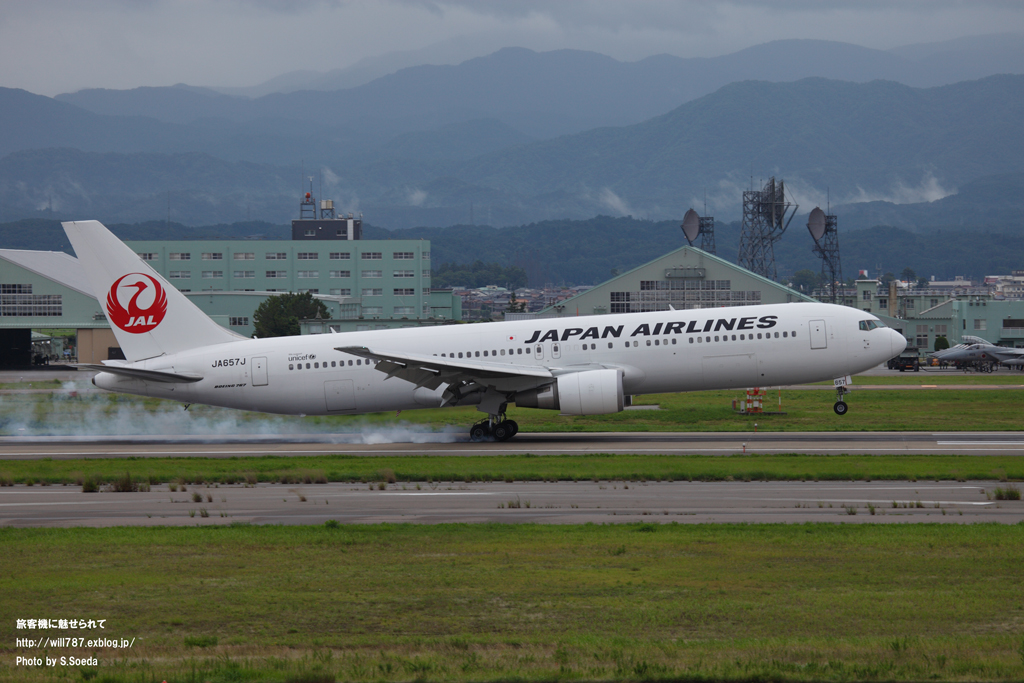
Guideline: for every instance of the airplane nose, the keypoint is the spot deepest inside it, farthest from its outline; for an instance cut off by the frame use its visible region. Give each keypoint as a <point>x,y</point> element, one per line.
<point>899,342</point>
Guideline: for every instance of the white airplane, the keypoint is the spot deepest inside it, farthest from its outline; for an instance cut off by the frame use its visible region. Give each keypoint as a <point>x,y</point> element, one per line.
<point>580,366</point>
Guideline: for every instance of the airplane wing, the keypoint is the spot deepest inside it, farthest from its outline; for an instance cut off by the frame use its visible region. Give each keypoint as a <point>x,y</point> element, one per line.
<point>139,373</point>
<point>432,371</point>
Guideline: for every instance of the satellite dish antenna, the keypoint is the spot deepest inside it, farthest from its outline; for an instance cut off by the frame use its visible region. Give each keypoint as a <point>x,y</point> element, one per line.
<point>816,223</point>
<point>691,226</point>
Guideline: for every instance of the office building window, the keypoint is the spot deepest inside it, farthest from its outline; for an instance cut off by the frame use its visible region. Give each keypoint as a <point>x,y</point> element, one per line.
<point>405,273</point>
<point>212,274</point>
<point>373,273</point>
<point>30,305</point>
<point>277,256</point>
<point>980,324</point>
<point>148,256</point>
<point>244,274</point>
<point>371,256</point>
<point>426,273</point>
<point>341,273</point>
<point>179,256</point>
<point>426,256</point>
<point>179,274</point>
<point>373,310</point>
<point>306,274</point>
<point>340,255</point>
<point>245,256</point>
<point>341,292</point>
<point>404,255</point>
<point>371,291</point>
<point>405,291</point>
<point>213,256</point>
<point>238,321</point>
<point>277,274</point>
<point>405,310</point>
<point>307,256</point>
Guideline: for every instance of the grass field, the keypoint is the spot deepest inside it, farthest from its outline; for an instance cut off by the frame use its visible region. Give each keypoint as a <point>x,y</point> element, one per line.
<point>524,602</point>
<point>806,410</point>
<point>439,468</point>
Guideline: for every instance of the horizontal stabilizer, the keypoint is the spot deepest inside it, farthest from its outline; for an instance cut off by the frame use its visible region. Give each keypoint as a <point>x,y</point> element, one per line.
<point>139,373</point>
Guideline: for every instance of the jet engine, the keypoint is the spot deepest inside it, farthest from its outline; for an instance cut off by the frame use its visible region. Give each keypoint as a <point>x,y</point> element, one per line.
<point>591,392</point>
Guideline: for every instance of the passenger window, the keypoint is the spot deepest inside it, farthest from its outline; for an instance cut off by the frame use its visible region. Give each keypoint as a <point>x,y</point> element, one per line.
<point>460,354</point>
<point>734,337</point>
<point>503,352</point>
<point>316,366</point>
<point>700,340</point>
<point>494,353</point>
<point>758,335</point>
<point>519,351</point>
<point>477,354</point>
<point>291,366</point>
<point>785,334</point>
<point>648,342</point>
<point>657,342</point>
<point>307,366</point>
<point>485,354</point>
<point>691,340</point>
<point>673,341</point>
<point>776,335</point>
<point>636,343</point>
<point>609,345</point>
<point>716,337</point>
<point>707,339</point>
<point>792,334</point>
<point>554,347</point>
<point>359,361</point>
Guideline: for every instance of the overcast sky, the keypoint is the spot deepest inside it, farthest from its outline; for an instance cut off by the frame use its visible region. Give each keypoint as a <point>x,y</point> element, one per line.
<point>54,46</point>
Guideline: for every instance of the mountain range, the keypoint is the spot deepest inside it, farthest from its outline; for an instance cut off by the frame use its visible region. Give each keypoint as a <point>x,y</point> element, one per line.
<point>519,137</point>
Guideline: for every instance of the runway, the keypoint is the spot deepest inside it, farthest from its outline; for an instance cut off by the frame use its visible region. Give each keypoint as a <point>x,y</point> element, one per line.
<point>578,443</point>
<point>534,502</point>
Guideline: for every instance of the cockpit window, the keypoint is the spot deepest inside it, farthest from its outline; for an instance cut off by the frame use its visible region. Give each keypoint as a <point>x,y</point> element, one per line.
<point>866,325</point>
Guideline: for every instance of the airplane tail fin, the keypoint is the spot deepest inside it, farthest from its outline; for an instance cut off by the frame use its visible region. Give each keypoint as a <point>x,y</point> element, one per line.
<point>148,315</point>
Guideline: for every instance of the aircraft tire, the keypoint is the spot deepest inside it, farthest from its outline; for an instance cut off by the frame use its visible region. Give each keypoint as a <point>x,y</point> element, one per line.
<point>502,431</point>
<point>479,432</point>
<point>840,407</point>
<point>514,425</point>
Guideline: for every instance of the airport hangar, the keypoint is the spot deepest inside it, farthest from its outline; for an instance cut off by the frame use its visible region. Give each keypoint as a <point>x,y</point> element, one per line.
<point>365,284</point>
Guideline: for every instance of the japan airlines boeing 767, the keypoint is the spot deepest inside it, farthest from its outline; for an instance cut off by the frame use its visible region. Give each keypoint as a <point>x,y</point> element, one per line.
<point>580,366</point>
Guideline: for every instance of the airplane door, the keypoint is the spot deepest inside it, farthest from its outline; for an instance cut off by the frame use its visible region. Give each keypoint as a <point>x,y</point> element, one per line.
<point>818,340</point>
<point>340,395</point>
<point>538,352</point>
<point>259,372</point>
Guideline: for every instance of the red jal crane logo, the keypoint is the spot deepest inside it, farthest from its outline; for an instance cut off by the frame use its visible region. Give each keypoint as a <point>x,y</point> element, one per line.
<point>135,318</point>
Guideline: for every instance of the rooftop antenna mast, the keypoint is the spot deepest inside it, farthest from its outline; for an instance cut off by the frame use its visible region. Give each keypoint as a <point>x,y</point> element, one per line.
<point>823,228</point>
<point>766,215</point>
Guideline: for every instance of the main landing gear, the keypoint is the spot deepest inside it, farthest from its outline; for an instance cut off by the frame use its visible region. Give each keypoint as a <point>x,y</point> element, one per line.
<point>495,428</point>
<point>840,406</point>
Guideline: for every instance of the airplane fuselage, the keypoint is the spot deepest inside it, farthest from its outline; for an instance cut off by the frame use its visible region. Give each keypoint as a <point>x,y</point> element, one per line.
<point>665,351</point>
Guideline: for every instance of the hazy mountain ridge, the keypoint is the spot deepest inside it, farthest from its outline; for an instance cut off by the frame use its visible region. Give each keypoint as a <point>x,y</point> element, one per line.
<point>816,134</point>
<point>551,93</point>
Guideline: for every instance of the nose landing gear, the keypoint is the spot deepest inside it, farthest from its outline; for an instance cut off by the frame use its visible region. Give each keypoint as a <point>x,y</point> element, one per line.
<point>840,406</point>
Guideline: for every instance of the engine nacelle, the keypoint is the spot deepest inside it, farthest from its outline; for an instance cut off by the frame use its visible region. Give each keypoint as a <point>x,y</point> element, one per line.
<point>591,392</point>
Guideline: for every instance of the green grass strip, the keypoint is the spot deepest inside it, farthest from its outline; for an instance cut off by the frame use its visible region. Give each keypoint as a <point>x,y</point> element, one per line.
<point>346,468</point>
<point>526,602</point>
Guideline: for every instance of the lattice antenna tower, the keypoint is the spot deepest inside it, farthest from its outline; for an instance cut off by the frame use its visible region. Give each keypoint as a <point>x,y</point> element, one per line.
<point>694,225</point>
<point>824,229</point>
<point>766,215</point>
